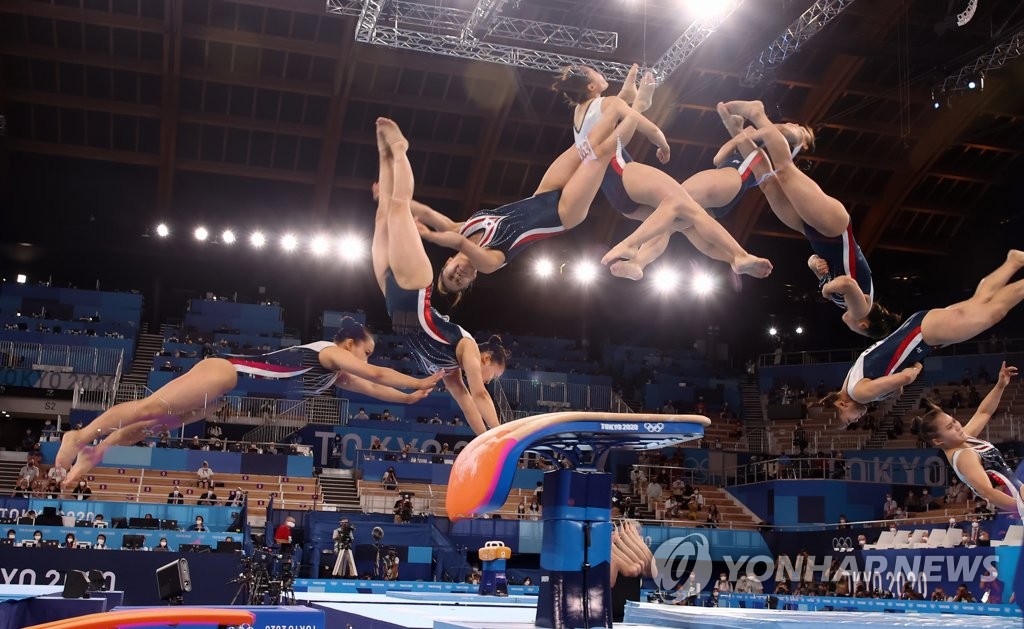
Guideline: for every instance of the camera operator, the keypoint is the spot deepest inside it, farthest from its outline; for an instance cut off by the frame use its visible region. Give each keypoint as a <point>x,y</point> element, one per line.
<point>345,564</point>
<point>390,480</point>
<point>391,562</point>
<point>403,510</point>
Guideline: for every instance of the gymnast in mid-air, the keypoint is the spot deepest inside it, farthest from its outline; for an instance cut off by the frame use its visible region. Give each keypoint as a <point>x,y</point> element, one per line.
<point>490,239</point>
<point>193,396</point>
<point>977,462</point>
<point>844,276</point>
<point>883,369</point>
<point>405,277</point>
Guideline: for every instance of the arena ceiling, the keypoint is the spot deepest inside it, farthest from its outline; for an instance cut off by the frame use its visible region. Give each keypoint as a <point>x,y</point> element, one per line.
<point>126,112</point>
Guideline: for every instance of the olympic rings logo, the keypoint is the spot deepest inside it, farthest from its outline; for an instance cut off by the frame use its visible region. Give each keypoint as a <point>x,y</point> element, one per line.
<point>842,544</point>
<point>654,427</point>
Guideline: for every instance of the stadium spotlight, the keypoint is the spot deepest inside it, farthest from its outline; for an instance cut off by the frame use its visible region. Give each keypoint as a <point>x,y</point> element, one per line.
<point>799,329</point>
<point>21,279</point>
<point>289,242</point>
<point>319,245</point>
<point>257,239</point>
<point>200,233</point>
<point>708,9</point>
<point>772,331</point>
<point>666,280</point>
<point>351,248</point>
<point>544,268</point>
<point>585,272</point>
<point>163,230</point>
<point>976,83</point>
<point>703,283</point>
<point>228,237</point>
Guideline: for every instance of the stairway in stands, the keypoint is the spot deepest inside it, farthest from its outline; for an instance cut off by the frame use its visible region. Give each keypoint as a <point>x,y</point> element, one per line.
<point>9,475</point>
<point>341,492</point>
<point>149,345</point>
<point>907,403</point>
<point>752,412</point>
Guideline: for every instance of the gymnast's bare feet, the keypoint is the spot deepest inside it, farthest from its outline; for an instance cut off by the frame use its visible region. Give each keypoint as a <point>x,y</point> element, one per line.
<point>752,265</point>
<point>748,109</point>
<point>733,123</point>
<point>628,91</point>
<point>70,447</point>
<point>1016,256</point>
<point>391,135</point>
<point>627,270</point>
<point>645,94</point>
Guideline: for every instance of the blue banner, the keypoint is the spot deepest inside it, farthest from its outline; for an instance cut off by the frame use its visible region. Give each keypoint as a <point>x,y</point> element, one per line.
<point>185,460</point>
<point>132,571</point>
<point>393,437</point>
<point>922,467</point>
<point>216,518</point>
<point>114,537</point>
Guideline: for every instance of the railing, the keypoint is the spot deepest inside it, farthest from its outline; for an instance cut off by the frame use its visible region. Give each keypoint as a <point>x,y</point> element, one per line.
<point>315,410</point>
<point>555,396</point>
<point>78,359</point>
<point>980,346</point>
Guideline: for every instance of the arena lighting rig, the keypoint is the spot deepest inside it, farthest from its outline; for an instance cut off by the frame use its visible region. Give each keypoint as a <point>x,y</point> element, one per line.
<point>466,34</point>
<point>971,76</point>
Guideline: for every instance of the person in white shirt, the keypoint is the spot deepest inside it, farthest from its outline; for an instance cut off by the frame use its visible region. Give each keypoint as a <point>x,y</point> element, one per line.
<point>889,507</point>
<point>205,475</point>
<point>57,473</point>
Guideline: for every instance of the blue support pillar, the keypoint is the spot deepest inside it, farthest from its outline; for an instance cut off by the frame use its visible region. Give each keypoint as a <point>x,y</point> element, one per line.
<point>575,559</point>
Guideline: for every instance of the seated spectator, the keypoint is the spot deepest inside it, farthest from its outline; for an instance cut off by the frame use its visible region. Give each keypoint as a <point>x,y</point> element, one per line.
<point>628,508</point>
<point>672,507</point>
<point>57,473</point>
<point>389,481</point>
<point>52,490</point>
<point>406,451</point>
<point>28,474</point>
<point>175,497</point>
<point>375,444</point>
<point>101,542</point>
<point>521,509</point>
<point>534,509</point>
<point>162,546</point>
<point>99,522</point>
<point>909,593</point>
<point>199,526</point>
<point>938,595</point>
<point>445,449</point>
<point>713,517</point>
<point>205,475</point>
<point>69,541</point>
<point>654,490</point>
<point>83,491</point>
<point>195,444</point>
<point>889,507</point>
<point>361,414</point>
<point>235,499</point>
<point>12,535</point>
<point>207,498</point>
<point>436,419</point>
<point>456,421</point>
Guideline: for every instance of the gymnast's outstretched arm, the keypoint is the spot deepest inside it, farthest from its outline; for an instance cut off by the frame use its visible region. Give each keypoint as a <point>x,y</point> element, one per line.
<point>872,389</point>
<point>483,260</point>
<point>381,392</point>
<point>990,404</point>
<point>468,353</point>
<point>858,305</point>
<point>432,218</point>
<point>337,359</point>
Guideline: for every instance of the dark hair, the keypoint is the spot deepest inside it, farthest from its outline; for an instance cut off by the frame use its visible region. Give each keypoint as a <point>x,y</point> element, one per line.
<point>881,321</point>
<point>809,144</point>
<point>829,401</point>
<point>930,422</point>
<point>351,329</point>
<point>571,84</point>
<point>456,295</point>
<point>497,351</point>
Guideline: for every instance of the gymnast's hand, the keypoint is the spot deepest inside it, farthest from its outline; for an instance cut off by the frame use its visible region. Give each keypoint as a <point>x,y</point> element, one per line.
<point>430,382</point>
<point>417,395</point>
<point>1005,373</point>
<point>451,240</point>
<point>914,371</point>
<point>818,266</point>
<point>664,153</point>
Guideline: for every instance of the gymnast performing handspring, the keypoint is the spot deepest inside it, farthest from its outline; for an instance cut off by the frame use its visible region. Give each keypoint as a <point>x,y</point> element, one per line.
<point>844,276</point>
<point>883,369</point>
<point>405,277</point>
<point>977,462</point>
<point>193,396</point>
<point>490,239</point>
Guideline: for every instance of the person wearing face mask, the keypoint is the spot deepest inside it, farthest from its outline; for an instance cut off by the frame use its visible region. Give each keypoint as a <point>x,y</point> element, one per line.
<point>175,497</point>
<point>723,585</point>
<point>101,542</point>
<point>162,546</point>
<point>69,541</point>
<point>283,534</point>
<point>12,535</point>
<point>200,525</point>
<point>37,537</point>
<point>82,491</point>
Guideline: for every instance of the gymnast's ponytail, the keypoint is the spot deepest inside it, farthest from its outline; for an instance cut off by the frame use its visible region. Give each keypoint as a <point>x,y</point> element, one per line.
<point>493,347</point>
<point>351,329</point>
<point>571,84</point>
<point>930,422</point>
